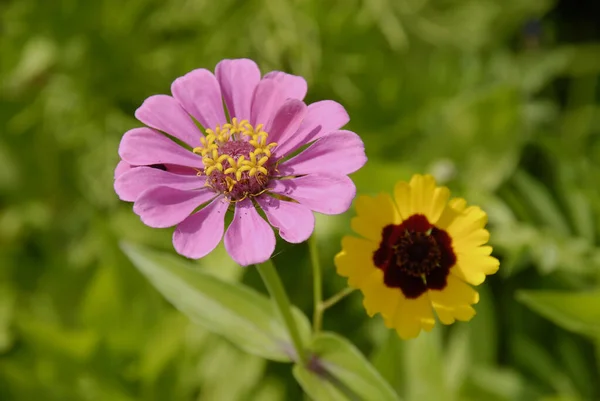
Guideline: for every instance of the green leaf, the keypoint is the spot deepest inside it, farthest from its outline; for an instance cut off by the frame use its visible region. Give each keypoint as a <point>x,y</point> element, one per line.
<point>493,384</point>
<point>578,202</point>
<point>541,202</point>
<point>320,388</point>
<point>574,360</point>
<point>541,363</point>
<point>214,372</point>
<point>424,367</point>
<point>574,311</point>
<point>387,359</point>
<point>7,305</point>
<point>483,330</point>
<point>582,213</point>
<point>341,373</point>
<point>458,357</point>
<point>238,313</point>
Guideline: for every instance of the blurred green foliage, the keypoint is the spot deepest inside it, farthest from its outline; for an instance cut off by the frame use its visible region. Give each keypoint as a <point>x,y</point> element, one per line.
<point>505,116</point>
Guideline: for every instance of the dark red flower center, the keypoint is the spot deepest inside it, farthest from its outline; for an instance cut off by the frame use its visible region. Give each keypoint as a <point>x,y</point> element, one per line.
<point>414,256</point>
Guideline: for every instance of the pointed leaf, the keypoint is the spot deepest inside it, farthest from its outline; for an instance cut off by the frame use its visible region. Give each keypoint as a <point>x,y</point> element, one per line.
<point>424,367</point>
<point>238,313</point>
<point>541,202</point>
<point>339,372</point>
<point>387,359</point>
<point>574,311</point>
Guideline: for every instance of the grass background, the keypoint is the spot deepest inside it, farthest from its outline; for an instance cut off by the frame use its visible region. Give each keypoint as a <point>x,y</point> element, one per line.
<point>497,99</point>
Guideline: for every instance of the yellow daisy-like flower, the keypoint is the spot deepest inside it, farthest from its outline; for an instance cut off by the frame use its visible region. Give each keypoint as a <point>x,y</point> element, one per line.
<point>418,254</point>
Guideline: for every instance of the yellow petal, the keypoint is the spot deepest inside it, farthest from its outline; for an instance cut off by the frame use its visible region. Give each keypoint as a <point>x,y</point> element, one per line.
<point>454,301</point>
<point>402,192</point>
<point>458,204</point>
<point>421,195</point>
<point>471,240</point>
<point>452,210</point>
<point>470,220</point>
<point>474,265</point>
<point>374,213</point>
<point>378,298</point>
<point>438,204</point>
<point>410,316</point>
<point>355,261</point>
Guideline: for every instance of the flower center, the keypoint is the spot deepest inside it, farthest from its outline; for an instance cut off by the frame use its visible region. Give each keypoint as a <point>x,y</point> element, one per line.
<point>414,256</point>
<point>236,159</point>
<point>417,252</point>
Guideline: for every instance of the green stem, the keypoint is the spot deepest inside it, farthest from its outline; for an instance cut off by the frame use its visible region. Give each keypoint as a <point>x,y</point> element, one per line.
<point>337,298</point>
<point>322,306</point>
<point>269,275</point>
<point>317,284</point>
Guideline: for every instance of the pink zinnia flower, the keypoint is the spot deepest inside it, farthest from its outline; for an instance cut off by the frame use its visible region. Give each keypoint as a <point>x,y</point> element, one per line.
<point>190,179</point>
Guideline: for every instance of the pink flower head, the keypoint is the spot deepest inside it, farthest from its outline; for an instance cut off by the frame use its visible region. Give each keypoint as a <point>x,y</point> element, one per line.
<point>190,180</point>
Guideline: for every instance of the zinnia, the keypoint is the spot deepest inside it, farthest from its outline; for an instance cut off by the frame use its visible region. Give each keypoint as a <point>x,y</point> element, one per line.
<point>419,253</point>
<point>245,162</point>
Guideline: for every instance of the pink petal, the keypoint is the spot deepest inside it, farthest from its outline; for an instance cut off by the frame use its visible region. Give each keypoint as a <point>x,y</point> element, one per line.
<point>294,221</point>
<point>145,147</point>
<point>238,79</point>
<point>199,94</point>
<point>174,168</point>
<point>200,233</point>
<point>122,167</point>
<point>321,118</point>
<point>323,193</point>
<point>132,183</point>
<point>293,86</point>
<point>164,113</point>
<point>249,238</point>
<point>341,152</point>
<point>267,99</point>
<point>162,207</point>
<point>286,121</point>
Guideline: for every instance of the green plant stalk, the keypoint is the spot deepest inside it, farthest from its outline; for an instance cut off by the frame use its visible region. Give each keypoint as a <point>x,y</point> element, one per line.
<point>322,306</point>
<point>336,298</point>
<point>269,275</point>
<point>319,305</point>
<point>317,284</point>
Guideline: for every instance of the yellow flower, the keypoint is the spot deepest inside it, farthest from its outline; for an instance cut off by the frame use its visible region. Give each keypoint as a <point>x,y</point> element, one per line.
<point>418,254</point>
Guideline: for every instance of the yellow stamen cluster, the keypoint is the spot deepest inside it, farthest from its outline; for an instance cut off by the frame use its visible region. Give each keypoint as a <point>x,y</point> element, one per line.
<point>214,159</point>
